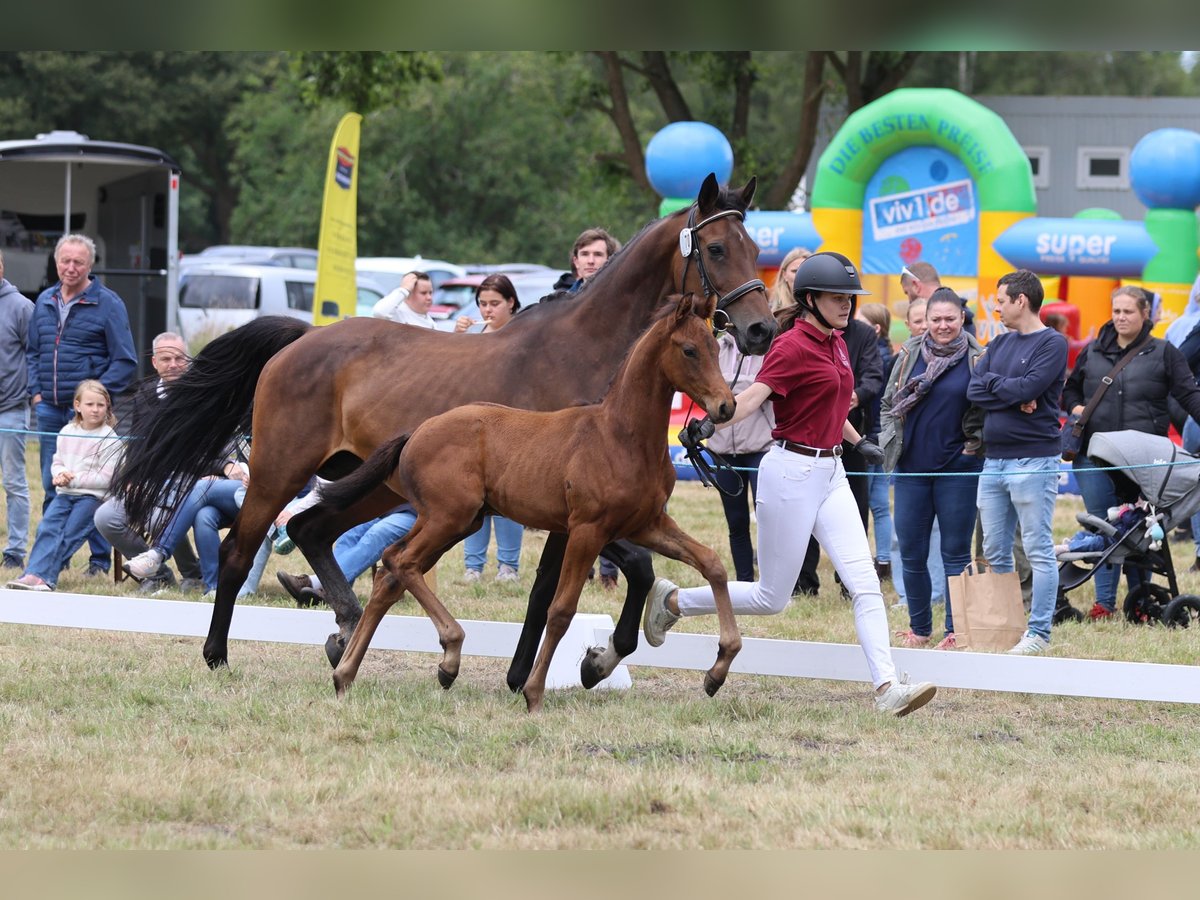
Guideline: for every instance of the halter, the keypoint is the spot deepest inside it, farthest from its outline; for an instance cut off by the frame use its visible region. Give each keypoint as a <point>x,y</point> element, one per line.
<point>689,247</point>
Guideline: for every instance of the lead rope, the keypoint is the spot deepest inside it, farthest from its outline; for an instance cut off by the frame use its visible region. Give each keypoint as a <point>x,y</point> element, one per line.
<point>705,472</point>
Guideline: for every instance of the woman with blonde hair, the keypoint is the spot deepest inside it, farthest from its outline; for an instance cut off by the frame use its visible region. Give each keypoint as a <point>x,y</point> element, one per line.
<point>781,294</point>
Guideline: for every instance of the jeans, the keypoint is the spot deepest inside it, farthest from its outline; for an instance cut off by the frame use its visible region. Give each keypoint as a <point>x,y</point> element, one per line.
<point>1099,493</point>
<point>937,572</point>
<point>879,496</point>
<point>208,507</point>
<point>1023,491</point>
<point>51,419</point>
<point>360,548</point>
<point>65,526</point>
<point>508,543</point>
<point>737,509</point>
<point>16,485</point>
<point>799,496</point>
<point>114,526</point>
<point>950,501</point>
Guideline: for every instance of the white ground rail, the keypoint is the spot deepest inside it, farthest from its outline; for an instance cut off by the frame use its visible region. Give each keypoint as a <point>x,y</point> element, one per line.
<point>759,656</point>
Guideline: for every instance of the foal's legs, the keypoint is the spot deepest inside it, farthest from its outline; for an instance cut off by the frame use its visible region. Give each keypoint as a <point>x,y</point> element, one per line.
<point>583,544</point>
<point>384,593</point>
<point>406,562</point>
<point>633,562</point>
<point>665,536</point>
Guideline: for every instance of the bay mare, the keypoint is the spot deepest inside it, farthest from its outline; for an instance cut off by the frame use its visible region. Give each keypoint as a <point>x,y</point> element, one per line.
<point>323,399</point>
<point>595,473</point>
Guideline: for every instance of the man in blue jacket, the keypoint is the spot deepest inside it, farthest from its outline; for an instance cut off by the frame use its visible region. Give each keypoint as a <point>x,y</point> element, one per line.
<point>1017,383</point>
<point>79,330</point>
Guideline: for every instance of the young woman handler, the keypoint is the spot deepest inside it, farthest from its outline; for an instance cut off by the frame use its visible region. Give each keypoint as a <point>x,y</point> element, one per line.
<point>802,487</point>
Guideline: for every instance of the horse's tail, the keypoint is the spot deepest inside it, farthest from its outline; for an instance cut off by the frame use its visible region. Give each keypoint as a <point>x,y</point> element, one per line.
<point>345,492</point>
<point>199,416</point>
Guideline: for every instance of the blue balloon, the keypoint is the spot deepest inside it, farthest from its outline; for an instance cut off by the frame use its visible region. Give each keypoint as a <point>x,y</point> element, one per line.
<point>680,156</point>
<point>1164,169</point>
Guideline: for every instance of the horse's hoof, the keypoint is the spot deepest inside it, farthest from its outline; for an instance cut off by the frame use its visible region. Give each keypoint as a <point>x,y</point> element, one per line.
<point>712,685</point>
<point>334,648</point>
<point>339,688</point>
<point>590,673</point>
<point>217,662</point>
<point>445,679</point>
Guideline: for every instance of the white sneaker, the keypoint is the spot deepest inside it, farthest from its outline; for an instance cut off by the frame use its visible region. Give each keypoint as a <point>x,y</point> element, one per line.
<point>507,573</point>
<point>145,564</point>
<point>471,576</point>
<point>901,698</point>
<point>657,620</point>
<point>1029,645</point>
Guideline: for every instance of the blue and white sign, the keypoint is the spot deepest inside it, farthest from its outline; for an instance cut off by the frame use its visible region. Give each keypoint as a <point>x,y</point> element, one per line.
<point>1100,247</point>
<point>922,210</point>
<point>921,204</point>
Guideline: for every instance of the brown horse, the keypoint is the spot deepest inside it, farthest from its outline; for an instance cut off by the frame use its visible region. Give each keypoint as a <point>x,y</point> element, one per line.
<point>596,473</point>
<point>323,399</point>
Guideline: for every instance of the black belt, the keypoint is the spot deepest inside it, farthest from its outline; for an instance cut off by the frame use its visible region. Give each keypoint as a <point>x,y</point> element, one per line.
<point>804,450</point>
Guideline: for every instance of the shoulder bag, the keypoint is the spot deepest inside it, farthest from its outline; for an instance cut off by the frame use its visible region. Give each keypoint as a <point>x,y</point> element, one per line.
<point>1071,436</point>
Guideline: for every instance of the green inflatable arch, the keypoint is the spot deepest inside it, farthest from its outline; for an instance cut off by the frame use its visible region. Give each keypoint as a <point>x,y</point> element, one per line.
<point>922,117</point>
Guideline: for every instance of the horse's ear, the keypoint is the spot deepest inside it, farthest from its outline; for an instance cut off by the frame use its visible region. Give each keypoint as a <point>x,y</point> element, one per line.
<point>705,306</point>
<point>684,307</point>
<point>709,192</point>
<point>748,192</point>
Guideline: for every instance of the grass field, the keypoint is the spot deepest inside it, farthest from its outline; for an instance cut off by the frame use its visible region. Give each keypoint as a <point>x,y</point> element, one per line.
<point>117,740</point>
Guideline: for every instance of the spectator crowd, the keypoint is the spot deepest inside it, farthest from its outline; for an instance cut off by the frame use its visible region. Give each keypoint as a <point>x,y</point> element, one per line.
<point>953,447</point>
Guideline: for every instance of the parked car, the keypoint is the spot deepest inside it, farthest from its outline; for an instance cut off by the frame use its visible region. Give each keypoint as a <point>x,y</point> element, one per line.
<point>456,296</point>
<point>453,298</point>
<point>219,297</point>
<point>504,268</point>
<point>289,257</point>
<point>533,286</point>
<point>387,271</point>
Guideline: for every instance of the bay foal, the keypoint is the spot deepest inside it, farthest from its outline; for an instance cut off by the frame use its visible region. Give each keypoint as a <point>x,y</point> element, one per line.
<point>597,473</point>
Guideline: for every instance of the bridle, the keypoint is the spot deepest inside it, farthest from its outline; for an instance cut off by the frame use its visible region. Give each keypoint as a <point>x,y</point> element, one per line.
<point>689,248</point>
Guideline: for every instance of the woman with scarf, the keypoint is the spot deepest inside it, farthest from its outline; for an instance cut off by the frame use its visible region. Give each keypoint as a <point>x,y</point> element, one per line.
<point>1138,400</point>
<point>931,437</point>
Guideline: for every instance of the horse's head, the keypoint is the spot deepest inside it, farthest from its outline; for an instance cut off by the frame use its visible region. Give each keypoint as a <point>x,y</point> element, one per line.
<point>689,358</point>
<point>719,259</point>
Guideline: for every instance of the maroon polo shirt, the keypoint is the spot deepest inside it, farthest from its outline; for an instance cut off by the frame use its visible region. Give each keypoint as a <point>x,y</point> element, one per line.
<point>811,382</point>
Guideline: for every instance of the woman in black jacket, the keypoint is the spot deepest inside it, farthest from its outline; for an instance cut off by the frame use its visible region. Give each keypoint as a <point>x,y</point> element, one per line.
<point>1139,399</point>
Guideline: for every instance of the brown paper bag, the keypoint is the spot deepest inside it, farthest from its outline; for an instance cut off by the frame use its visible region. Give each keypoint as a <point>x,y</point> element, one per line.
<point>987,609</point>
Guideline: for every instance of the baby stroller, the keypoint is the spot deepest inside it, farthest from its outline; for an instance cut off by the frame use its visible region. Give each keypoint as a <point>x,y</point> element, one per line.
<point>1171,495</point>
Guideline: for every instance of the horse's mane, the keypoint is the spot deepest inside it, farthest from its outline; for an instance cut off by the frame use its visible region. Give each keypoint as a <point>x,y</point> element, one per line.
<point>727,198</point>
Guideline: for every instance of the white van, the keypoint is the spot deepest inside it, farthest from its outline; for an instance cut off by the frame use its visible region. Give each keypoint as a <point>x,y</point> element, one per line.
<point>217,298</point>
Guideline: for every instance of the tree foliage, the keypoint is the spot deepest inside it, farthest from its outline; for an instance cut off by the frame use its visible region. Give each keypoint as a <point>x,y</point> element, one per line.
<point>176,101</point>
<point>493,156</point>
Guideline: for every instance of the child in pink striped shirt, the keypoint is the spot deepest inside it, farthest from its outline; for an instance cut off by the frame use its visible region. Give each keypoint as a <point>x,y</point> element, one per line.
<point>85,458</point>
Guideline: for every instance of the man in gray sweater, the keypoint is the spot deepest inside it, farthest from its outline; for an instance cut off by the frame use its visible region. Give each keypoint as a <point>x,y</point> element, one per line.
<point>15,310</point>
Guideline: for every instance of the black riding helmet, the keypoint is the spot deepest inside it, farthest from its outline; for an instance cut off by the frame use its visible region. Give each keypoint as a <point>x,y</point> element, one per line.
<point>829,272</point>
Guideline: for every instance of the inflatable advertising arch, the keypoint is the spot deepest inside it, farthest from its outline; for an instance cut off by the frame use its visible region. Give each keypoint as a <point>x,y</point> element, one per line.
<point>929,174</point>
<point>923,174</point>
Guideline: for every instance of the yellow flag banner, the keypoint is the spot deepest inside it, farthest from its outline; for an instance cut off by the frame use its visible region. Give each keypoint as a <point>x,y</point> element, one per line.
<point>336,292</point>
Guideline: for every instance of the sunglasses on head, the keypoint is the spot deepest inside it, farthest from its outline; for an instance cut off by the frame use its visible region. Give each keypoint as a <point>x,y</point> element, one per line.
<point>904,270</point>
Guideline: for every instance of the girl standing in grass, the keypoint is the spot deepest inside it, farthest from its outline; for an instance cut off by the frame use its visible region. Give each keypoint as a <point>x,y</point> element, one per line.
<point>85,457</point>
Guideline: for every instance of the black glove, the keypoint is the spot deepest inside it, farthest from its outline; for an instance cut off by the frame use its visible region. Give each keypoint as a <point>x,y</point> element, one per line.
<point>695,431</point>
<point>871,452</point>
